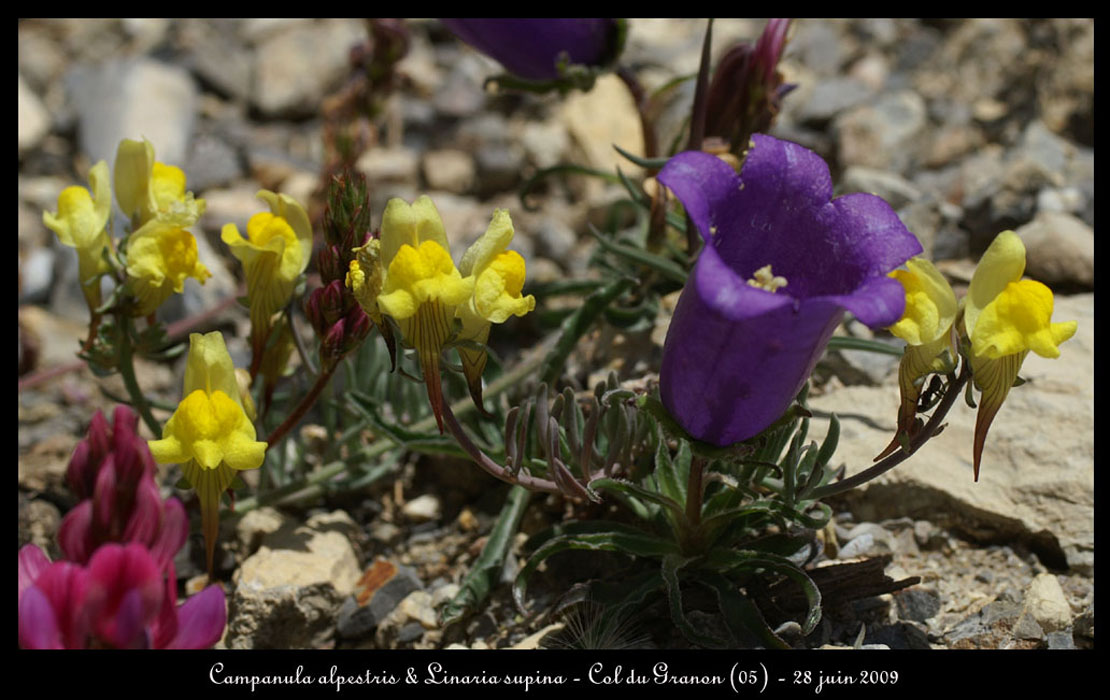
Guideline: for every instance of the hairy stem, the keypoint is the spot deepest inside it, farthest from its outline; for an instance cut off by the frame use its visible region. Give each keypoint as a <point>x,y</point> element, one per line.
<point>127,373</point>
<point>302,408</point>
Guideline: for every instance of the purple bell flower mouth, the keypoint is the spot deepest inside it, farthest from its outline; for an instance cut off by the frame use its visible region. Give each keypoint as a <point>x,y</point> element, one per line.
<point>744,337</point>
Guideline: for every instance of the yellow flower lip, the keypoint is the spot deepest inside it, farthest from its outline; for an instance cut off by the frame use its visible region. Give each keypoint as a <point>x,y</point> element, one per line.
<point>210,424</point>
<point>274,254</point>
<point>81,217</point>
<point>160,256</point>
<point>1006,315</point>
<point>930,303</point>
<point>420,275</point>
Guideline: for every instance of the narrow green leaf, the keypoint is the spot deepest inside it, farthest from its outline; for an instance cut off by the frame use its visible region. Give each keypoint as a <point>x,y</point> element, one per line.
<point>483,576</point>
<point>672,563</point>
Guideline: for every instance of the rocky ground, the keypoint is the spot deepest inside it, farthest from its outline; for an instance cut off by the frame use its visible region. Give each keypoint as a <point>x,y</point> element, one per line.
<point>966,127</point>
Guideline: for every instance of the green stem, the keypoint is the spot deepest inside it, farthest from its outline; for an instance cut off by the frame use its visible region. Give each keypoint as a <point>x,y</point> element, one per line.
<point>955,387</point>
<point>312,484</point>
<point>127,372</point>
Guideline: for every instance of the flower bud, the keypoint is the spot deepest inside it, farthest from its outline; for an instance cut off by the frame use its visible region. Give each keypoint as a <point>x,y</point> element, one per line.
<point>329,261</point>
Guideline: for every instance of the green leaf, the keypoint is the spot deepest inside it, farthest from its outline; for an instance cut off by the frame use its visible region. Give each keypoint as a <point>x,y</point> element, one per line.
<point>672,563</point>
<point>744,560</point>
<point>845,342</point>
<point>600,535</point>
<point>740,614</point>
<point>664,266</point>
<point>630,489</point>
<point>576,325</point>
<point>648,163</point>
<point>483,576</point>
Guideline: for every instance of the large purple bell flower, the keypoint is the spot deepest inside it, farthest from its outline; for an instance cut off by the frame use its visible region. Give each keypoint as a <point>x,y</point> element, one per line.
<point>531,48</point>
<point>744,337</point>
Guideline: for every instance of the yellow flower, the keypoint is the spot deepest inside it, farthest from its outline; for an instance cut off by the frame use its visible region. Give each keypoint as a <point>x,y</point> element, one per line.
<point>160,256</point>
<point>421,286</point>
<point>81,222</point>
<point>274,254</point>
<point>498,276</point>
<point>210,433</point>
<point>147,189</point>
<point>1005,317</point>
<point>926,326</point>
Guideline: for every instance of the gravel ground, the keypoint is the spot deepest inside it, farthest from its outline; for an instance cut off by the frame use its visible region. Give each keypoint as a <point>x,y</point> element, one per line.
<point>965,127</point>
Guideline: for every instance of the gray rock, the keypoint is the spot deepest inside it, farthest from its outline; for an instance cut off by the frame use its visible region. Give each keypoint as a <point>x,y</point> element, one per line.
<point>1068,200</point>
<point>461,93</point>
<point>832,96</point>
<point>294,69</point>
<point>499,168</point>
<point>917,603</point>
<point>219,57</point>
<point>545,144</point>
<point>34,120</point>
<point>133,99</point>
<point>212,162</point>
<point>1050,507</point>
<point>895,189</point>
<point>989,628</point>
<point>884,134</point>
<point>900,635</point>
<point>36,273</point>
<point>1027,628</point>
<point>1059,249</point>
<point>382,588</point>
<point>389,165</point>
<point>450,169</point>
<point>1060,640</point>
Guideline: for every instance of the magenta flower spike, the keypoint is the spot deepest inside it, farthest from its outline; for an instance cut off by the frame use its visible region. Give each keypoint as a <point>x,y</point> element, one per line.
<point>113,471</point>
<point>532,48</point>
<point>780,266</point>
<point>124,598</point>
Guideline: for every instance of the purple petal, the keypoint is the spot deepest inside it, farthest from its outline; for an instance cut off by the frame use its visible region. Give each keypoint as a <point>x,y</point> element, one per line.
<point>172,532</point>
<point>38,626</point>
<point>736,355</point>
<point>164,627</point>
<point>146,515</point>
<point>119,576</point>
<point>530,48</point>
<point>725,380</point>
<point>32,562</point>
<point>75,533</point>
<point>65,585</point>
<point>81,472</point>
<point>104,495</point>
<point>201,620</point>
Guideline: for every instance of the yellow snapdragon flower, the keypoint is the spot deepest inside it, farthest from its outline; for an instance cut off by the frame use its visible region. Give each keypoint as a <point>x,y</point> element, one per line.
<point>160,255</point>
<point>1005,317</point>
<point>274,254</point>
<point>926,326</point>
<point>498,275</point>
<point>148,190</point>
<point>81,222</point>
<point>210,433</point>
<point>421,286</point>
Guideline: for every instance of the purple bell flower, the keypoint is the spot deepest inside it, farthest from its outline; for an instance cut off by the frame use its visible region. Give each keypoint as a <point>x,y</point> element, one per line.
<point>737,352</point>
<point>531,48</point>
